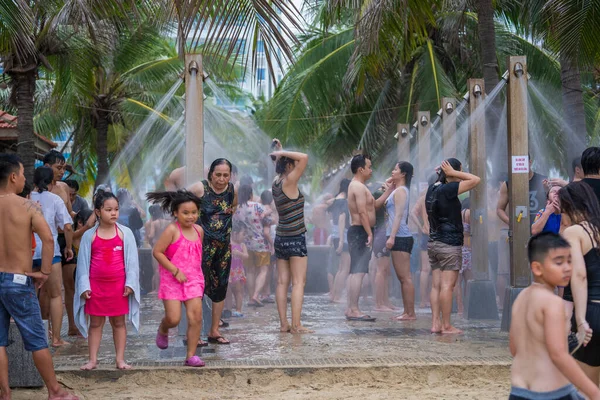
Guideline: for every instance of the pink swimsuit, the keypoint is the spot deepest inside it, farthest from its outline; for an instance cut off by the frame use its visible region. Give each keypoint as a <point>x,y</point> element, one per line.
<point>107,278</point>
<point>187,256</point>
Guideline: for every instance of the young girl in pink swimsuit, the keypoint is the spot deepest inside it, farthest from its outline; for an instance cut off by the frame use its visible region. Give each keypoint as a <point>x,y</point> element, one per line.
<point>179,253</point>
<point>107,280</point>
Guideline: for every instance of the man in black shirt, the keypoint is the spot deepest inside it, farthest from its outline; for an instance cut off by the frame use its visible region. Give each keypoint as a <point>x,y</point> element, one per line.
<point>590,163</point>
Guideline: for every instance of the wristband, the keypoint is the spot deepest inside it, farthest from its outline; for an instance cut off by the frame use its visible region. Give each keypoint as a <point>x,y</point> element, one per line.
<point>47,274</point>
<point>176,272</point>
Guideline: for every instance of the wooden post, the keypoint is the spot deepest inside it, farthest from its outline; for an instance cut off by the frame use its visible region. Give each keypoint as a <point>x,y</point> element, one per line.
<point>424,147</point>
<point>479,226</point>
<point>448,127</point>
<point>194,119</point>
<point>481,303</point>
<point>403,142</point>
<point>518,183</point>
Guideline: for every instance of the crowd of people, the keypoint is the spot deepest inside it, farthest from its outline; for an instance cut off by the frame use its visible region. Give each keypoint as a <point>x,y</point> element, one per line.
<point>218,246</point>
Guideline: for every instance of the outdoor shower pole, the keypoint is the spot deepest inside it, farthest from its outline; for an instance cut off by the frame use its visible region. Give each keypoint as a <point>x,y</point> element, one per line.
<point>518,183</point>
<point>448,127</point>
<point>424,148</point>
<point>403,142</point>
<point>481,303</point>
<point>194,119</point>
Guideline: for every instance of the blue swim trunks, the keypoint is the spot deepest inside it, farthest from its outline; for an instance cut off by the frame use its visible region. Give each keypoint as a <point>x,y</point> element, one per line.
<point>19,301</point>
<point>568,392</point>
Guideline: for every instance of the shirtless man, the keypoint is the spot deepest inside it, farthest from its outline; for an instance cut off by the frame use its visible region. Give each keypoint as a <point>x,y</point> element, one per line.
<point>542,367</point>
<point>362,207</point>
<point>18,283</point>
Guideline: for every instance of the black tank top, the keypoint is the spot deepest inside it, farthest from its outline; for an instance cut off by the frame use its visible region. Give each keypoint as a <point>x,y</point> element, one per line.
<point>592,269</point>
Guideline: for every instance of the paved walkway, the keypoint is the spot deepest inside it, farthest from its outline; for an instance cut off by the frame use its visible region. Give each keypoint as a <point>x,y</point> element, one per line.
<point>256,341</point>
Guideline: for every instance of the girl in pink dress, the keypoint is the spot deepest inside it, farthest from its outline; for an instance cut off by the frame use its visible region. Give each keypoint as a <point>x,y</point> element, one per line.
<point>108,294</point>
<point>179,253</point>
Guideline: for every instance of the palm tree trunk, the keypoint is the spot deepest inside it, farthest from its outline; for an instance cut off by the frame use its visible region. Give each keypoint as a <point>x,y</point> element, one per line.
<point>102,147</point>
<point>495,144</point>
<point>24,89</point>
<point>573,108</point>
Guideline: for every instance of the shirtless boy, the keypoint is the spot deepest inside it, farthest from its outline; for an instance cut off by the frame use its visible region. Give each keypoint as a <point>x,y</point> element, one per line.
<point>18,217</point>
<point>362,207</point>
<point>542,367</point>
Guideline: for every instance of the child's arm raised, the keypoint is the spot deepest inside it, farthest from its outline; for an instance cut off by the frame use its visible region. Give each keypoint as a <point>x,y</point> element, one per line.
<point>554,320</point>
<point>159,252</point>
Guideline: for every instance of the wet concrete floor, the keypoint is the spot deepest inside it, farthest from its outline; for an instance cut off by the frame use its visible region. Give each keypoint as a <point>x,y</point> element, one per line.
<point>257,342</point>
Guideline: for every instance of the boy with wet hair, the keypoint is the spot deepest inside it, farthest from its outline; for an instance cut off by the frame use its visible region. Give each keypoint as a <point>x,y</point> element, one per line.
<point>542,367</point>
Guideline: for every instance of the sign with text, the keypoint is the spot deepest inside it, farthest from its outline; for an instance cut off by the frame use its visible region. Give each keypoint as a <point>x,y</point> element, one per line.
<point>520,164</point>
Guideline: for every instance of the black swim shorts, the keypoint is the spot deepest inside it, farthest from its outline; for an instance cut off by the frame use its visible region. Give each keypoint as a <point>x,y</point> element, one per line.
<point>404,244</point>
<point>360,254</point>
<point>290,246</point>
<point>62,243</point>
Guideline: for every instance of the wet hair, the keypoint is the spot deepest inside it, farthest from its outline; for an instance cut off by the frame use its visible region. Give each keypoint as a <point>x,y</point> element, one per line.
<point>217,162</point>
<point>54,157</point>
<point>454,163</point>
<point>590,161</point>
<point>81,217</point>
<point>234,169</point>
<point>9,163</point>
<point>579,202</point>
<point>72,183</point>
<point>282,163</point>
<point>101,197</point>
<point>42,177</point>
<point>156,212</point>
<point>26,190</point>
<point>124,196</point>
<point>540,245</point>
<point>170,201</point>
<point>266,197</point>
<point>244,194</point>
<point>408,169</point>
<point>344,184</point>
<point>576,163</point>
<point>246,180</point>
<point>358,161</point>
<point>238,226</point>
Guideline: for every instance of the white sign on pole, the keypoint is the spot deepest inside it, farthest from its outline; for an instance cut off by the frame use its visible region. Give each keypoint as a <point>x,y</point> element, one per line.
<point>520,164</point>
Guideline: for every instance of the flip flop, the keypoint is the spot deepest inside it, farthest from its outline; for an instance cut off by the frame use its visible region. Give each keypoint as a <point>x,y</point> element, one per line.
<point>223,324</point>
<point>218,340</point>
<point>194,361</point>
<point>255,304</point>
<point>362,318</point>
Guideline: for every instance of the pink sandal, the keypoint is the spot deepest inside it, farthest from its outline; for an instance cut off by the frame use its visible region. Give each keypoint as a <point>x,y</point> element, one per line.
<point>162,341</point>
<point>194,361</point>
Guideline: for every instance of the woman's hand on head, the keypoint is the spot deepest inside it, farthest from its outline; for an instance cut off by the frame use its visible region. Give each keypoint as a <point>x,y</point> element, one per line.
<point>447,168</point>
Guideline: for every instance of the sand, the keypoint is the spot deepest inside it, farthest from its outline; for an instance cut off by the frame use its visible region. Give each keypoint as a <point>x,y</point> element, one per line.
<point>381,383</point>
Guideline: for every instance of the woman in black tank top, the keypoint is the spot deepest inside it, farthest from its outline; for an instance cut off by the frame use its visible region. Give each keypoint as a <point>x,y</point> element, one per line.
<point>580,208</point>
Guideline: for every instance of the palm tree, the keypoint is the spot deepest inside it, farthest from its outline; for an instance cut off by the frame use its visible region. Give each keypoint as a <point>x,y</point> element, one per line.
<point>31,32</point>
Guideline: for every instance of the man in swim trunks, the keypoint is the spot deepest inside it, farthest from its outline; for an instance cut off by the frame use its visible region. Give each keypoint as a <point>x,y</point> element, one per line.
<point>18,300</point>
<point>362,207</point>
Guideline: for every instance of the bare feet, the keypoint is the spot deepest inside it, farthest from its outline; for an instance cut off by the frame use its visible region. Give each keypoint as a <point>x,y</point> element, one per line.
<point>384,309</point>
<point>451,331</point>
<point>4,396</point>
<point>89,366</point>
<point>405,317</point>
<point>62,394</point>
<point>58,343</point>
<point>74,332</point>
<point>123,365</point>
<point>300,329</point>
<point>436,326</point>
<point>286,328</point>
